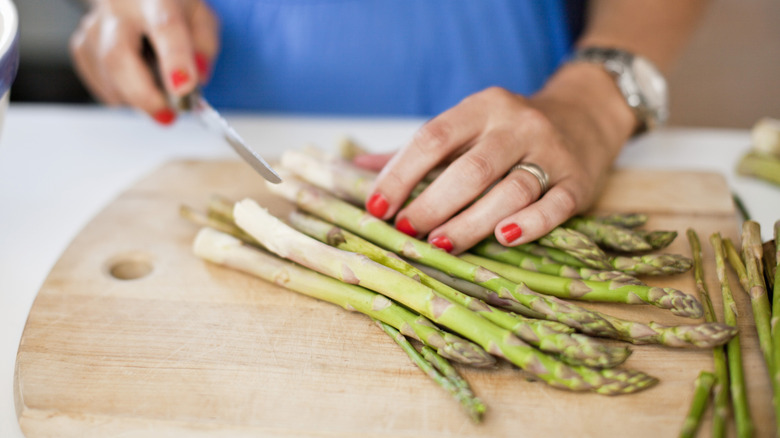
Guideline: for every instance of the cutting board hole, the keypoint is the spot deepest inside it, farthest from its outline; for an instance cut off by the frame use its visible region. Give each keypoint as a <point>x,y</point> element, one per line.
<point>130,266</point>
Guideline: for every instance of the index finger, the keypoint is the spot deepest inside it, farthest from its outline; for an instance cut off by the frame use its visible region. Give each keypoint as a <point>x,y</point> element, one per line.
<point>168,32</point>
<point>434,142</point>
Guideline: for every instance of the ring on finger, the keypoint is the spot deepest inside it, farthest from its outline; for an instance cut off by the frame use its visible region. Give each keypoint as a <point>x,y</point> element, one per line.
<point>538,172</point>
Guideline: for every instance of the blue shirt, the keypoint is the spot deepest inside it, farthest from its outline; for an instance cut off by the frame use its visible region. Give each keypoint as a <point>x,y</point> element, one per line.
<point>381,57</point>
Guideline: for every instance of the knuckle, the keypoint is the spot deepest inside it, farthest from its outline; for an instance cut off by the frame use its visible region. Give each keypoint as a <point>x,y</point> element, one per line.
<point>521,191</point>
<point>535,121</point>
<point>565,201</point>
<point>479,169</point>
<point>433,135</point>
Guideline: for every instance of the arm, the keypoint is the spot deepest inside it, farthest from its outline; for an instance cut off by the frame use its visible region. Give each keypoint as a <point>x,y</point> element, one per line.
<point>573,129</point>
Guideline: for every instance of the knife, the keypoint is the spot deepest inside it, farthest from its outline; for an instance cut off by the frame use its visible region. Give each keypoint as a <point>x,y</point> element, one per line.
<point>210,117</point>
<point>199,106</point>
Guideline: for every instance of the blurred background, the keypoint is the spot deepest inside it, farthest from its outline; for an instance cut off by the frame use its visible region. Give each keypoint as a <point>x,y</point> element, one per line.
<point>727,76</point>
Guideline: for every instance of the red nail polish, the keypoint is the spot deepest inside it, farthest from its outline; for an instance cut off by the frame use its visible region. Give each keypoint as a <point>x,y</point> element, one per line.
<point>165,116</point>
<point>377,205</point>
<point>405,227</point>
<point>202,64</point>
<point>179,78</point>
<point>511,232</point>
<point>442,242</point>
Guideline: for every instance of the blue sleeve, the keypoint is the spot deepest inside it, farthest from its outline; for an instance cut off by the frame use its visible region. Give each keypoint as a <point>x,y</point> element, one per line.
<point>381,57</point>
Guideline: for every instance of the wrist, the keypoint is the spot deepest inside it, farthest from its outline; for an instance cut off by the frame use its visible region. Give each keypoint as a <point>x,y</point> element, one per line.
<point>590,91</point>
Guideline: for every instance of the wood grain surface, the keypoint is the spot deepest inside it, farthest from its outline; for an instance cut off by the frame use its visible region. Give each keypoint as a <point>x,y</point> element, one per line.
<point>192,349</point>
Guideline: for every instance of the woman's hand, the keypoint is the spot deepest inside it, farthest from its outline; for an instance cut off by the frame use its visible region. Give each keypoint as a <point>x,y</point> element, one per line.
<point>107,51</point>
<point>573,129</point>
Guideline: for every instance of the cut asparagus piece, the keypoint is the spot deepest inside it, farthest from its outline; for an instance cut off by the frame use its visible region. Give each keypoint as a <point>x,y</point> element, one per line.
<point>628,220</point>
<point>759,301</point>
<point>577,245</point>
<point>494,250</point>
<point>651,264</point>
<point>679,303</point>
<point>736,374</point>
<point>359,269</point>
<point>225,250</point>
<point>607,235</point>
<point>701,396</point>
<point>218,223</point>
<point>705,335</point>
<point>334,210</point>
<point>471,404</point>
<point>721,387</point>
<point>572,349</point>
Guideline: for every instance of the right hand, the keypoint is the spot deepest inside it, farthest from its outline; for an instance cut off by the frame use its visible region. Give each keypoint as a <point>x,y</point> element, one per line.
<point>107,51</point>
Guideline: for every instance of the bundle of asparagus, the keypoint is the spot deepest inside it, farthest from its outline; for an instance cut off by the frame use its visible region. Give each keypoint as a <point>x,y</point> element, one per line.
<point>472,308</point>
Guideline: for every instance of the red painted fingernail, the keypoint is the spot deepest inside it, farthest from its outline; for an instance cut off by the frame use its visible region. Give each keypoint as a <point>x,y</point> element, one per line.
<point>405,227</point>
<point>165,116</point>
<point>442,242</point>
<point>377,205</point>
<point>202,64</point>
<point>511,232</point>
<point>179,78</point>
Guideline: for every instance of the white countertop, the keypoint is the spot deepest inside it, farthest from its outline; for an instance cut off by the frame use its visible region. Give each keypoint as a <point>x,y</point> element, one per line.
<point>59,166</point>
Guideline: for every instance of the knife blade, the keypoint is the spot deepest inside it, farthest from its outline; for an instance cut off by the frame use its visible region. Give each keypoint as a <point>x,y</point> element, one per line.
<point>211,118</point>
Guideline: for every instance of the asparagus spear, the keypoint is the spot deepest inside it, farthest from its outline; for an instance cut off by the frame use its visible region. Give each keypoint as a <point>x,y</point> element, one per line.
<point>666,298</point>
<point>494,250</point>
<point>651,264</point>
<point>705,335</point>
<point>450,373</point>
<point>775,332</point>
<point>752,253</point>
<point>349,149</point>
<point>554,254</point>
<point>607,235</point>
<point>228,251</point>
<point>719,356</point>
<point>577,245</point>
<point>359,269</point>
<point>217,222</point>
<point>647,264</point>
<point>658,239</point>
<point>473,406</point>
<point>770,264</point>
<point>736,375</point>
<point>701,396</point>
<point>761,166</point>
<point>735,260</point>
<point>572,349</point>
<point>332,174</point>
<point>349,217</point>
<point>627,220</point>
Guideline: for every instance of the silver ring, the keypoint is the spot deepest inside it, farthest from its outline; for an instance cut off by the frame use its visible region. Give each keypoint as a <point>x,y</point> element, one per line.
<point>536,171</point>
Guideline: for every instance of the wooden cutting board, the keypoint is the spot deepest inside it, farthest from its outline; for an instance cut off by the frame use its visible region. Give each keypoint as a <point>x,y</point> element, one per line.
<point>132,335</point>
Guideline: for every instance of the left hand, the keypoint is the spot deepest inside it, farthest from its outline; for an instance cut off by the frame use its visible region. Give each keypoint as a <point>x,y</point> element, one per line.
<point>573,129</point>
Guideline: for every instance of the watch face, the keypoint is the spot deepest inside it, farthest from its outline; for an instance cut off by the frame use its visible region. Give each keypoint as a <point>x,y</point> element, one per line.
<point>651,84</point>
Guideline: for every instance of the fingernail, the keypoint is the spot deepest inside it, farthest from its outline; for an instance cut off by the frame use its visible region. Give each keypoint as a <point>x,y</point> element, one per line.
<point>405,227</point>
<point>179,78</point>
<point>511,232</point>
<point>442,242</point>
<point>202,64</point>
<point>165,116</point>
<point>377,205</point>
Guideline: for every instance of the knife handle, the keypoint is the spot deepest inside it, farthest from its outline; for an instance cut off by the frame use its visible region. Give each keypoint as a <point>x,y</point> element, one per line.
<point>150,58</point>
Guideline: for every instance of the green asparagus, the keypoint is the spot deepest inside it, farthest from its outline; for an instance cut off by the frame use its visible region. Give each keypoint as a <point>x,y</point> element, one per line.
<point>358,269</point>
<point>577,245</point>
<point>608,236</point>
<point>701,397</point>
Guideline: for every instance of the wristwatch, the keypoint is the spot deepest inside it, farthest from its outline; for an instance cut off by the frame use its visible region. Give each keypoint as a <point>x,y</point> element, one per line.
<point>640,82</point>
